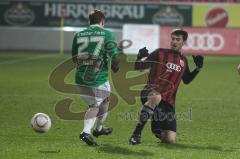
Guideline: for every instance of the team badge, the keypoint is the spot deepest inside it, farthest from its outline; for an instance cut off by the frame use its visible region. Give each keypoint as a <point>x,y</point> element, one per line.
<point>181,63</point>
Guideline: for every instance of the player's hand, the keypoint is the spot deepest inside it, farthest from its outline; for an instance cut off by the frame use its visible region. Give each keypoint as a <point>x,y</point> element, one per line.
<point>143,52</point>
<point>198,60</point>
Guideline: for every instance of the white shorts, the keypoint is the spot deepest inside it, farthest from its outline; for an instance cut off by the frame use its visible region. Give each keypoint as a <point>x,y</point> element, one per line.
<point>95,96</point>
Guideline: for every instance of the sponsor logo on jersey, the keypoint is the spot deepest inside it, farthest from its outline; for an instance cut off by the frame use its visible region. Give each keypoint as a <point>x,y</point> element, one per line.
<point>181,63</point>
<point>172,66</point>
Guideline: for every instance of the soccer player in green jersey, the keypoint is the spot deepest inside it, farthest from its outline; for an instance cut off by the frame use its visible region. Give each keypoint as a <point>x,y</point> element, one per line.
<point>91,50</point>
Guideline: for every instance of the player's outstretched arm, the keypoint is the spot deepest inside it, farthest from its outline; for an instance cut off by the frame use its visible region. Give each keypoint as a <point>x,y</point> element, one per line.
<point>141,62</point>
<point>189,76</point>
<point>115,63</point>
<point>198,60</point>
<point>74,50</point>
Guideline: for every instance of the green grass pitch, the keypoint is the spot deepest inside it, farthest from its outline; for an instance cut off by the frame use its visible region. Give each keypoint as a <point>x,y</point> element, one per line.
<point>208,124</point>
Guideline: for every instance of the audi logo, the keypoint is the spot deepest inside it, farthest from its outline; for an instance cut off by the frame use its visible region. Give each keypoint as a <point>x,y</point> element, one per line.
<point>205,41</point>
<point>173,66</point>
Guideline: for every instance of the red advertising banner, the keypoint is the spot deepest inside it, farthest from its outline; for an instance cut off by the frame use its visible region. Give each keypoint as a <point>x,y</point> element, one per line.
<point>214,41</point>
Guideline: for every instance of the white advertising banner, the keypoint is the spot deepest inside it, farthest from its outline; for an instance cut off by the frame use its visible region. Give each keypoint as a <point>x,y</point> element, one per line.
<point>141,36</point>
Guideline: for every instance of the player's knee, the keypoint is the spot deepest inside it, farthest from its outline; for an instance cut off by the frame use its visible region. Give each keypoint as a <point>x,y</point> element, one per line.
<point>170,140</point>
<point>106,100</point>
<point>93,108</point>
<point>169,137</point>
<point>153,100</point>
<point>91,112</point>
<point>157,99</point>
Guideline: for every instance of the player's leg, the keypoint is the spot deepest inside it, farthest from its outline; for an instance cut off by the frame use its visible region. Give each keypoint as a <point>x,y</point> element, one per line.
<point>88,96</point>
<point>164,123</point>
<point>89,121</point>
<point>102,114</point>
<point>156,127</point>
<point>169,137</point>
<point>149,103</point>
<point>101,117</point>
<point>103,92</point>
<point>90,118</point>
<point>169,131</point>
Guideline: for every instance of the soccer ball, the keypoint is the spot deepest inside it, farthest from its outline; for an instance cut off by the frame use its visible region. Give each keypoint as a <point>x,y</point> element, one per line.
<point>238,69</point>
<point>41,122</point>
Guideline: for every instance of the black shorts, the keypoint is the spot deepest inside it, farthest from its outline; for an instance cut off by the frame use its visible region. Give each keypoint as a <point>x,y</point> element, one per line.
<point>164,117</point>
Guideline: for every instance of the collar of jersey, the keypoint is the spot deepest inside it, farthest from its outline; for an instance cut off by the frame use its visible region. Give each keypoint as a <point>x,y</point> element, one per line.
<point>95,25</point>
<point>176,52</point>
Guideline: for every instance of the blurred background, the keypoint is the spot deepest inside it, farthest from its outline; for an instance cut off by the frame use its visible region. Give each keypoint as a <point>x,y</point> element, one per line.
<point>49,25</point>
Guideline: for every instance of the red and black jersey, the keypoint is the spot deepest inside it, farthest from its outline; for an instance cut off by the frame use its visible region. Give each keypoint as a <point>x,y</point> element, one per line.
<point>167,69</point>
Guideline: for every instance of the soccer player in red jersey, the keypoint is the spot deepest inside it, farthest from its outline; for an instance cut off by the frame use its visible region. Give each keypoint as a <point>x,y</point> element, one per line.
<point>167,68</point>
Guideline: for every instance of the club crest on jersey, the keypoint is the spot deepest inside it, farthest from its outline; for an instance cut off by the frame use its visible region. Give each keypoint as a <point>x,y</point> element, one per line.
<point>181,63</point>
<point>172,66</point>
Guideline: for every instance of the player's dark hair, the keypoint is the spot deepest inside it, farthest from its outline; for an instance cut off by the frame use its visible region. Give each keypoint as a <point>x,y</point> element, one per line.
<point>95,17</point>
<point>179,31</point>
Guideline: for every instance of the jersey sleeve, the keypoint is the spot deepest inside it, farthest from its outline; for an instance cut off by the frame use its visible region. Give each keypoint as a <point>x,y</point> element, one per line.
<point>110,44</point>
<point>74,49</point>
<point>152,56</point>
<point>189,76</point>
<point>155,56</point>
<point>148,62</point>
<point>74,46</point>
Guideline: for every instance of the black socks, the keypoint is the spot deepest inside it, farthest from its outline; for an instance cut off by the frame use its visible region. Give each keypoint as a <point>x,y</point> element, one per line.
<point>145,114</point>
